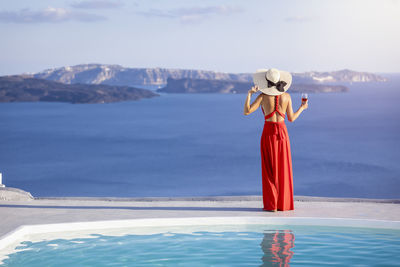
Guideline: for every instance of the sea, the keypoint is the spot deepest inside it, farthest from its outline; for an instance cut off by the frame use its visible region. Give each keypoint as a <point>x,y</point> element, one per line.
<point>174,145</point>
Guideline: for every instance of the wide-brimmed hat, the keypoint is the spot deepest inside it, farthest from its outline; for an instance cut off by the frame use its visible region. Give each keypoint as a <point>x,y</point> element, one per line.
<point>272,81</point>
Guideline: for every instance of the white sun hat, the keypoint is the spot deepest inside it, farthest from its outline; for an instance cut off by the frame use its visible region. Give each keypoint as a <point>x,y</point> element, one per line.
<point>272,81</point>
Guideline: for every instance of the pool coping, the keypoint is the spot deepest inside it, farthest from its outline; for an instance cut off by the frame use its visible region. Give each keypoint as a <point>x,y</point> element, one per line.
<point>23,231</point>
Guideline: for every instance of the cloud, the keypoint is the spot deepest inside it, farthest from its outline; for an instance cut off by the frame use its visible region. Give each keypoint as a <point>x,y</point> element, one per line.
<point>97,4</point>
<point>299,19</point>
<point>192,14</point>
<point>47,15</point>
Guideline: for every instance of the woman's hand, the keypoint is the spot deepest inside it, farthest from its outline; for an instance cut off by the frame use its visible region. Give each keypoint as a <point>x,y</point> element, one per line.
<point>253,89</point>
<point>304,104</point>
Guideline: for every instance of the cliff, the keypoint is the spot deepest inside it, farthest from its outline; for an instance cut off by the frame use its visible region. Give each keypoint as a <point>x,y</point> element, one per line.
<point>22,89</point>
<point>337,76</point>
<point>235,87</point>
<point>118,75</point>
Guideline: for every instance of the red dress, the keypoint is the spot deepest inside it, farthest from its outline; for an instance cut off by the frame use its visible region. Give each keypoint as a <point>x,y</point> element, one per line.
<point>276,164</point>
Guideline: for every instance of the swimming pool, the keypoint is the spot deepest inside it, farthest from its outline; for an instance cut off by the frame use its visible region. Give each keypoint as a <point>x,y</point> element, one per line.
<point>229,244</point>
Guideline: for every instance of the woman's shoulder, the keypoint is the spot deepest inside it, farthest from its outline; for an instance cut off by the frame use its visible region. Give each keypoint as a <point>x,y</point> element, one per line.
<point>285,95</point>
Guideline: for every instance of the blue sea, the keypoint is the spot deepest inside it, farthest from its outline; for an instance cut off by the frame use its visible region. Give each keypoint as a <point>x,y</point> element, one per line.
<point>343,145</point>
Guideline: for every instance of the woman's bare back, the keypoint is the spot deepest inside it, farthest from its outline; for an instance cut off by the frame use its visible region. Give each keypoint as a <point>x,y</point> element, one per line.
<point>268,104</point>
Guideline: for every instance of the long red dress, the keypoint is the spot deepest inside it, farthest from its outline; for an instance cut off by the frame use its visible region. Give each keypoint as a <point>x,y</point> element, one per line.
<point>276,164</point>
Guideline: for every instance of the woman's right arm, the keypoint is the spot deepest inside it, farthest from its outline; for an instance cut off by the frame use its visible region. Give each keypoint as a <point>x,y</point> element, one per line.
<point>292,116</point>
<point>254,106</point>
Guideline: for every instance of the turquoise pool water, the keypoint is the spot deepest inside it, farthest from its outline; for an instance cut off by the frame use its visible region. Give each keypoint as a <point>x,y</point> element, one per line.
<point>259,245</point>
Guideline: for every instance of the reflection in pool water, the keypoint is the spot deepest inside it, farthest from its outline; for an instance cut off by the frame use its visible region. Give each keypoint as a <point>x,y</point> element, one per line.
<point>277,247</point>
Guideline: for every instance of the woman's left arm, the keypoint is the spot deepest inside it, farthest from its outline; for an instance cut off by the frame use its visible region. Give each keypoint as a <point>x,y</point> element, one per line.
<point>254,106</point>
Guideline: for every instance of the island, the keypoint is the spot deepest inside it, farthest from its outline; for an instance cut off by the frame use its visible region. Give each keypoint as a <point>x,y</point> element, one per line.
<point>112,74</point>
<point>236,87</point>
<point>102,83</point>
<point>20,88</point>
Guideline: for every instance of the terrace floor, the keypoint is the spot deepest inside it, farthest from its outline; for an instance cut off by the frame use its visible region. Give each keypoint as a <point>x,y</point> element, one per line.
<point>63,210</point>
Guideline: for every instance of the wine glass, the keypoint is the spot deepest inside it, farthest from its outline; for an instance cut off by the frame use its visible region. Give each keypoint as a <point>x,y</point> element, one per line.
<point>304,97</point>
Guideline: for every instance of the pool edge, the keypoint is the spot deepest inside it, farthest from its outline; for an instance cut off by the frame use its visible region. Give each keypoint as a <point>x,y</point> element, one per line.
<point>22,231</point>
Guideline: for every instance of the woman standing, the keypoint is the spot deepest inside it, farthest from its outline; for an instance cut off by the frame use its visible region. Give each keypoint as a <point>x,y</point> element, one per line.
<point>276,159</point>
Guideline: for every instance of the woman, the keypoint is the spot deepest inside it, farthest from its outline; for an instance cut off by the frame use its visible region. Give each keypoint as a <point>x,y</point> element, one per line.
<point>276,160</point>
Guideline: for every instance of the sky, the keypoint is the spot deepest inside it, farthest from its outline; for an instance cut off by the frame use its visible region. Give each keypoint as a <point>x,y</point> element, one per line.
<point>219,35</point>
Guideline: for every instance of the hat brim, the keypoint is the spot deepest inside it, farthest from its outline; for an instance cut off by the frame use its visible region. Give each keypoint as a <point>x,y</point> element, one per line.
<point>260,80</point>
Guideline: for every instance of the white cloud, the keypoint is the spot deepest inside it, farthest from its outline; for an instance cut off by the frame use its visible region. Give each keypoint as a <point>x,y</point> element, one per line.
<point>192,14</point>
<point>47,15</point>
<point>97,4</point>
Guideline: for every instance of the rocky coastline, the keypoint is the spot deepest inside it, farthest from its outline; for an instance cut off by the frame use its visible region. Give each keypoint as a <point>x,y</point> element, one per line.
<point>102,83</point>
<point>18,88</point>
